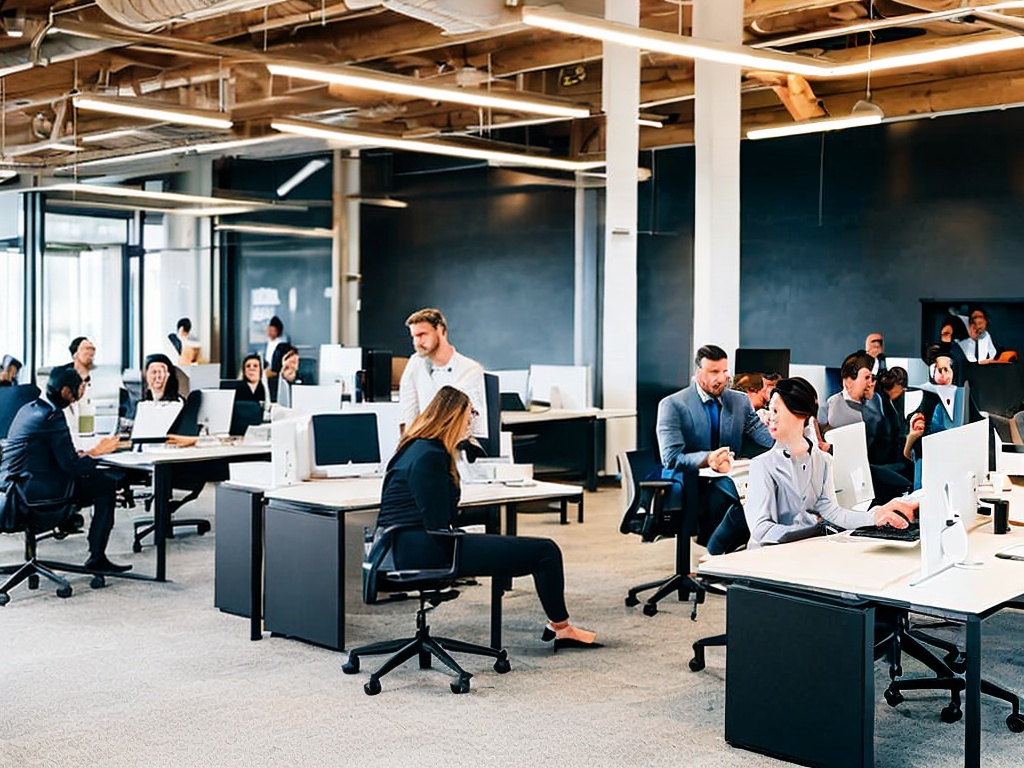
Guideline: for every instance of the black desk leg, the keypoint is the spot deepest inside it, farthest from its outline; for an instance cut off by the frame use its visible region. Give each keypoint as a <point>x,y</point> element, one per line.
<point>256,568</point>
<point>511,523</point>
<point>341,581</point>
<point>161,516</point>
<point>972,726</point>
<point>591,467</point>
<point>564,513</point>
<point>579,509</point>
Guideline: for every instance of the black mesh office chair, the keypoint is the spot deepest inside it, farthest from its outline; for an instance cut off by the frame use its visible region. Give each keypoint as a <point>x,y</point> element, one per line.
<point>649,516</point>
<point>433,585</point>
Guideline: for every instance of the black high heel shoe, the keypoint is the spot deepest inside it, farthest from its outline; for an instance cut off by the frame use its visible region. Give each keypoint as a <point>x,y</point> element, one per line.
<point>565,642</point>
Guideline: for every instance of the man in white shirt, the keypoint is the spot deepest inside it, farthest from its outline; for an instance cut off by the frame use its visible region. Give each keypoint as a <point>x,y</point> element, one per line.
<point>979,348</point>
<point>435,364</point>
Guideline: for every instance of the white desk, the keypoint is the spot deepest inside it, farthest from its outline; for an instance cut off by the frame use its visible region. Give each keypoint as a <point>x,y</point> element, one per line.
<point>355,494</point>
<point>857,569</point>
<point>164,463</point>
<point>548,422</point>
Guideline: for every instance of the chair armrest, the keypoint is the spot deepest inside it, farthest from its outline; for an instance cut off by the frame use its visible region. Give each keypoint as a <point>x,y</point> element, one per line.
<point>656,483</point>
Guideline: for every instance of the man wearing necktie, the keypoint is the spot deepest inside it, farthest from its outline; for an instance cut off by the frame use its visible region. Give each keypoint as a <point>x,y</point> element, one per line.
<point>979,347</point>
<point>702,426</point>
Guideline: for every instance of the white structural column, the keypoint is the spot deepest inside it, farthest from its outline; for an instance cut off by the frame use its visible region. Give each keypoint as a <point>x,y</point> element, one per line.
<point>621,89</point>
<point>345,256</point>
<point>716,230</point>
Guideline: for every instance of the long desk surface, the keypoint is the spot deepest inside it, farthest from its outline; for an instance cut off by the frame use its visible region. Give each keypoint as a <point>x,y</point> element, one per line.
<point>161,461</point>
<point>355,494</point>
<point>563,414</point>
<point>883,574</point>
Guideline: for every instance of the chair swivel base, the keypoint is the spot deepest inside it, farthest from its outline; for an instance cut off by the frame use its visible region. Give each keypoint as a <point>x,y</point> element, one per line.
<point>30,571</point>
<point>684,584</point>
<point>425,647</point>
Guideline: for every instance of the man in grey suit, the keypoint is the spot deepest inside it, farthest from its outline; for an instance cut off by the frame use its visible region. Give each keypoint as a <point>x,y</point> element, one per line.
<point>702,426</point>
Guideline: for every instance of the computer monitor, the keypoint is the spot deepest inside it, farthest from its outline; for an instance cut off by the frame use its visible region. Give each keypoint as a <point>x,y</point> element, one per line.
<point>850,470</point>
<point>345,444</point>
<point>389,425</point>
<point>316,398</point>
<point>290,451</point>
<point>215,406</point>
<point>762,361</point>
<point>339,365</point>
<point>955,461</point>
<point>153,420</point>
<point>202,376</point>
<point>560,386</point>
<point>377,384</point>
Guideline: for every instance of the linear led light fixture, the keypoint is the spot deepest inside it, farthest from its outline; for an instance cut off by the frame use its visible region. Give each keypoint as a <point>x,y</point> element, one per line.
<point>98,138</point>
<point>384,82</point>
<point>301,175</point>
<point>159,113</point>
<point>748,58</point>
<point>361,138</point>
<point>184,149</point>
<point>379,202</point>
<point>863,113</point>
<point>195,202</point>
<point>277,229</point>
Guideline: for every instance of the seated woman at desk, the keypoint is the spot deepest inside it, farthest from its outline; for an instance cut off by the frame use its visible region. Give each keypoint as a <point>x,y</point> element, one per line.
<point>252,374</point>
<point>422,488</point>
<point>791,489</point>
<point>161,382</point>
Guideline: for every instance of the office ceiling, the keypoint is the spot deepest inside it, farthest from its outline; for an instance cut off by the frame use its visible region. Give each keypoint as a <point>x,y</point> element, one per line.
<point>216,55</point>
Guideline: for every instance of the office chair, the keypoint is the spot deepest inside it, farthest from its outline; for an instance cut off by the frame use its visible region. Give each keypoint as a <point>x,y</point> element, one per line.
<point>648,516</point>
<point>954,662</point>
<point>11,400</point>
<point>433,585</point>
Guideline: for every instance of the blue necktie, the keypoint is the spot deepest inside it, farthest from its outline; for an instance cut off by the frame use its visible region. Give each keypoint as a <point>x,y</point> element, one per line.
<point>714,409</point>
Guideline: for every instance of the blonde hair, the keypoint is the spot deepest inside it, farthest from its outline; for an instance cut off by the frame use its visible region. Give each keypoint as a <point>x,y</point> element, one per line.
<point>443,419</point>
<point>428,315</point>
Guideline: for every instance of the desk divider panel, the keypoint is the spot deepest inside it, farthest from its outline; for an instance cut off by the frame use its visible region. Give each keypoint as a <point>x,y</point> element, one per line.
<point>799,680</point>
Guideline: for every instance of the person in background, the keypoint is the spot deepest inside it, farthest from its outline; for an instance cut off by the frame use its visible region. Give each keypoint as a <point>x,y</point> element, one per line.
<point>436,363</point>
<point>704,425</point>
<point>252,374</point>
<point>874,345</point>
<point>10,367</point>
<point>421,488</point>
<point>980,346</point>
<point>791,489</point>
<point>272,354</point>
<point>161,383</point>
<point>39,451</point>
<point>81,413</point>
<point>950,339</point>
<point>289,374</point>
<point>187,348</point>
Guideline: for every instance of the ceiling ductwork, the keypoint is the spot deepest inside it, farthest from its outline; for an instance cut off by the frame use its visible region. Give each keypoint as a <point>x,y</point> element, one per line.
<point>459,17</point>
<point>149,15</point>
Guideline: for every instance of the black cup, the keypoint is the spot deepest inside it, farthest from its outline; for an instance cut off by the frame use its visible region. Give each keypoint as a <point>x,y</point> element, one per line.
<point>1001,517</point>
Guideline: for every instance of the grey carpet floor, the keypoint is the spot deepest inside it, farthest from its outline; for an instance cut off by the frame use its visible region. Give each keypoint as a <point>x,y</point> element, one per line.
<point>153,675</point>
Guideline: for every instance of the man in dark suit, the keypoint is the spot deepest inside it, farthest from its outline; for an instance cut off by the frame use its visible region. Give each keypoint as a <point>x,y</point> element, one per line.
<point>41,460</point>
<point>702,426</point>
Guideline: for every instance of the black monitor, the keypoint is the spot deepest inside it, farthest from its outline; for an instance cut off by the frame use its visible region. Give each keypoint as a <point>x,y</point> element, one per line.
<point>491,393</point>
<point>245,414</point>
<point>762,361</point>
<point>235,384</point>
<point>345,444</point>
<point>377,372</point>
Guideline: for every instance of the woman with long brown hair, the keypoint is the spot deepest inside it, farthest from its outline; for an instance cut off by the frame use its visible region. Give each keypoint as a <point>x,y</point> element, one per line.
<point>422,488</point>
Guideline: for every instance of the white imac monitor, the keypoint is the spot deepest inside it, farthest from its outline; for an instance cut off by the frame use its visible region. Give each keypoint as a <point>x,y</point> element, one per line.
<point>389,421</point>
<point>955,461</point>
<point>290,451</point>
<point>215,406</point>
<point>561,386</point>
<point>153,419</point>
<point>345,444</point>
<point>202,376</point>
<point>339,365</point>
<point>318,398</point>
<point>850,470</point>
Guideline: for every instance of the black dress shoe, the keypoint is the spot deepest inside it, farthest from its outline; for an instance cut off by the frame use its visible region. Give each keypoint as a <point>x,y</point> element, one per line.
<point>103,565</point>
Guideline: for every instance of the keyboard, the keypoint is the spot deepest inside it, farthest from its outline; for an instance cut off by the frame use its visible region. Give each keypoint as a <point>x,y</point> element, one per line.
<point>887,533</point>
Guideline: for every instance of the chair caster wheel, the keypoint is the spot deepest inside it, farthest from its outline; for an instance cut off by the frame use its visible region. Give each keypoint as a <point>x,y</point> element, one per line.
<point>893,698</point>
<point>951,713</point>
<point>1015,723</point>
<point>351,666</point>
<point>632,601</point>
<point>5,599</point>
<point>202,529</point>
<point>695,664</point>
<point>33,582</point>
<point>461,685</point>
<point>650,609</point>
<point>136,547</point>
<point>502,666</point>
<point>372,687</point>
<point>97,582</point>
<point>63,592</point>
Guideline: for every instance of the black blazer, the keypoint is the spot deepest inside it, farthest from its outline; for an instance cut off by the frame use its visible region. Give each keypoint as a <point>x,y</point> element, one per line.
<point>418,487</point>
<point>39,455</point>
